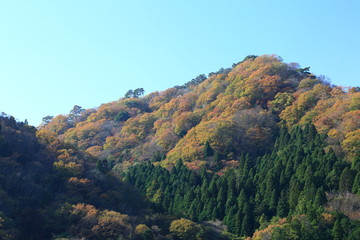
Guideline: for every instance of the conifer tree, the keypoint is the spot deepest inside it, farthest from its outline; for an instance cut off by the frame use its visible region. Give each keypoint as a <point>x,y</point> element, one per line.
<point>273,202</point>
<point>263,221</point>
<point>229,219</point>
<point>337,231</point>
<point>356,185</point>
<point>281,209</point>
<point>320,197</point>
<point>238,222</point>
<point>208,151</point>
<point>246,228</point>
<point>242,199</point>
<point>346,180</point>
<point>309,187</point>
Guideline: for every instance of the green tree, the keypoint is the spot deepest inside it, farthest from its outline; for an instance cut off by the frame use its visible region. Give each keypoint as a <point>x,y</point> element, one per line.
<point>356,185</point>
<point>129,94</point>
<point>47,119</point>
<point>208,151</point>
<point>282,207</point>
<point>246,228</point>
<point>346,180</point>
<point>102,166</point>
<point>122,116</point>
<point>337,231</point>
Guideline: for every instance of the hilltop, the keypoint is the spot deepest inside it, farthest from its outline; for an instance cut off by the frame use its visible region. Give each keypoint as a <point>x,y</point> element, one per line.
<point>234,111</point>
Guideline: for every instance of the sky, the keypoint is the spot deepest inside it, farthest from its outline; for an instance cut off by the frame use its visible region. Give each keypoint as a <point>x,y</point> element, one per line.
<point>60,53</point>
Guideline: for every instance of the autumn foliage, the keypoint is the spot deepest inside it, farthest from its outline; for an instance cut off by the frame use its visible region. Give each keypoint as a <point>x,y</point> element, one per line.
<point>237,110</point>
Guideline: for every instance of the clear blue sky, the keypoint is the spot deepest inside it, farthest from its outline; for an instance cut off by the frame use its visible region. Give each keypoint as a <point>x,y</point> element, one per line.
<point>55,54</point>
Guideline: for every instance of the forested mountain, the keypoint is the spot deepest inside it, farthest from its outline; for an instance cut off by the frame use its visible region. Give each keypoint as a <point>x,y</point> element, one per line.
<point>237,110</point>
<point>263,149</point>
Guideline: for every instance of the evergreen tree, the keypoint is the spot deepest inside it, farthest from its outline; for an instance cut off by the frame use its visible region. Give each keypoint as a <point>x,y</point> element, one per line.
<point>337,231</point>
<point>238,222</point>
<point>346,180</point>
<point>208,151</point>
<point>356,185</point>
<point>102,166</point>
<point>309,187</point>
<point>229,219</point>
<point>282,208</point>
<point>273,202</point>
<point>320,197</point>
<point>263,221</point>
<point>246,228</point>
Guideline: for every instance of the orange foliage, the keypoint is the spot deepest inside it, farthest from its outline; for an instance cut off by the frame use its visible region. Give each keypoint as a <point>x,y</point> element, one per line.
<point>95,151</point>
<point>140,126</point>
<point>234,111</point>
<point>351,144</point>
<point>221,134</point>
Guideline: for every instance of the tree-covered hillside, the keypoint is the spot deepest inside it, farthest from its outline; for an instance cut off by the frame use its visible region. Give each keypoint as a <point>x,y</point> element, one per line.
<point>291,181</point>
<point>49,190</point>
<point>236,111</point>
<point>261,150</point>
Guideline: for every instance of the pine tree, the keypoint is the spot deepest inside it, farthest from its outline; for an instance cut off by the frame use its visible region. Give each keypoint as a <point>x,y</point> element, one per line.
<point>346,180</point>
<point>229,219</point>
<point>217,159</point>
<point>246,228</point>
<point>273,202</point>
<point>263,221</point>
<point>337,231</point>
<point>230,202</point>
<point>193,211</point>
<point>355,164</point>
<point>309,187</point>
<point>207,211</point>
<point>238,222</point>
<point>220,211</point>
<point>282,208</point>
<point>208,151</point>
<point>320,197</point>
<point>242,199</point>
<point>356,185</point>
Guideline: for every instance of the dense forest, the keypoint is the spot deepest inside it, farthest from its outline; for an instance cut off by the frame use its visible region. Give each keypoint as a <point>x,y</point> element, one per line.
<point>261,150</point>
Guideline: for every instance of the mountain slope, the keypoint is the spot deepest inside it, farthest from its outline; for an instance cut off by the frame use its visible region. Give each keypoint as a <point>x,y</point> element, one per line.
<point>293,181</point>
<point>263,147</point>
<point>236,110</point>
<point>49,188</point>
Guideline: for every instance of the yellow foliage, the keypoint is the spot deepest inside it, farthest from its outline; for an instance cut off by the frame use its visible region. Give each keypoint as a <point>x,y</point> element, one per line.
<point>328,217</point>
<point>186,229</point>
<point>75,180</point>
<point>304,102</point>
<point>220,133</point>
<point>110,142</point>
<point>162,98</point>
<point>139,126</point>
<point>179,120</point>
<point>72,168</point>
<point>58,124</point>
<point>85,210</point>
<point>95,151</point>
<point>111,225</point>
<point>141,229</point>
<point>351,144</point>
<point>46,136</point>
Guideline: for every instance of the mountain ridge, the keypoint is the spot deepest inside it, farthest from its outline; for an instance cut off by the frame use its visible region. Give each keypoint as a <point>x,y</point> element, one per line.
<point>251,99</point>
